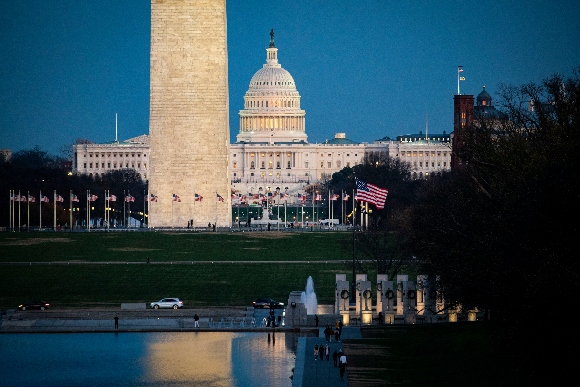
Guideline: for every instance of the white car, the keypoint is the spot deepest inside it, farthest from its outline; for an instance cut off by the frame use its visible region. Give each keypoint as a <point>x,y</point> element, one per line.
<point>173,302</point>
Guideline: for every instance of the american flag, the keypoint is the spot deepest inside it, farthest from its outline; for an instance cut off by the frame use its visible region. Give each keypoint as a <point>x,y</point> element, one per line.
<point>44,199</point>
<point>176,198</point>
<point>92,198</point>
<point>371,193</point>
<point>74,198</point>
<point>112,198</point>
<point>152,198</point>
<point>243,199</point>
<point>302,198</point>
<point>198,198</point>
<point>219,198</point>
<point>129,198</point>
<point>31,199</point>
<point>334,197</point>
<point>318,197</point>
<point>345,196</point>
<point>284,196</point>
<point>59,198</point>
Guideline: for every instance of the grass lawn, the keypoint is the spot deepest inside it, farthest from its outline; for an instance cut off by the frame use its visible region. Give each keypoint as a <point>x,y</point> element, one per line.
<point>203,269</point>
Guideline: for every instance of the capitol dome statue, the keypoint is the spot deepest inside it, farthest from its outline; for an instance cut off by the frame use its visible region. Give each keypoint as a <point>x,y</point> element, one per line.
<point>272,111</point>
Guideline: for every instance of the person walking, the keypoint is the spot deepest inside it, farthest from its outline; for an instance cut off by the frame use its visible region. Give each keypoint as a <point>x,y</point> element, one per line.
<point>327,352</point>
<point>342,366</point>
<point>321,351</point>
<point>116,322</point>
<point>316,320</point>
<point>196,319</point>
<point>316,352</point>
<point>335,358</point>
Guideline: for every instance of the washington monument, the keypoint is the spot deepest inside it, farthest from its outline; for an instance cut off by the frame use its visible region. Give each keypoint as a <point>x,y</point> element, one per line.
<point>189,124</point>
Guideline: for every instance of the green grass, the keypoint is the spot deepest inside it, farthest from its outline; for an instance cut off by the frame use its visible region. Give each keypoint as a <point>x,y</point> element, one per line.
<point>204,269</point>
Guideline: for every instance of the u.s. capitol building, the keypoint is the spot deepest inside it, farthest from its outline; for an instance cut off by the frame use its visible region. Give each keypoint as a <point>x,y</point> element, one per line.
<point>271,151</point>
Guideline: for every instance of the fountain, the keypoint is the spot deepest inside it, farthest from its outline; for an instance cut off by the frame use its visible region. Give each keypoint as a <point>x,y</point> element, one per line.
<point>308,297</point>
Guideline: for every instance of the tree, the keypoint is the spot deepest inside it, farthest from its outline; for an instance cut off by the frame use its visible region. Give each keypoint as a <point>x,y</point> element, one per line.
<point>380,244</point>
<point>499,234</point>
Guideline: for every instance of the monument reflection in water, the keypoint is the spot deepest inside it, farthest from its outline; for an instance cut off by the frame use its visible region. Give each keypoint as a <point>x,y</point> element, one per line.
<point>148,359</point>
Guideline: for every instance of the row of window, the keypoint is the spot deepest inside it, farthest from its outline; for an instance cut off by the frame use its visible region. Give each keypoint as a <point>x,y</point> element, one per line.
<point>114,165</point>
<point>276,103</point>
<point>97,175</point>
<point>432,164</point>
<point>426,154</point>
<point>115,155</point>
<point>288,165</point>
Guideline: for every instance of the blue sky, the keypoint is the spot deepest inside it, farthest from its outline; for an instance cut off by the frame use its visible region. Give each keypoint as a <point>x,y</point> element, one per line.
<point>370,68</point>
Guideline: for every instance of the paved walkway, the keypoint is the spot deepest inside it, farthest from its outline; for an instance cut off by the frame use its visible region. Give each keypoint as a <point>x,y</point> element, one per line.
<point>320,373</point>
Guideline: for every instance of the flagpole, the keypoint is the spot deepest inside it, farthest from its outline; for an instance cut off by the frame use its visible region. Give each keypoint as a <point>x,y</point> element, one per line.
<point>10,203</point>
<point>54,212</point>
<point>459,71</point>
<point>27,210</point>
<point>342,206</point>
<point>40,212</point>
<point>148,205</point>
<point>19,200</point>
<point>353,285</point>
<point>70,210</point>
<point>129,209</point>
<point>88,211</point>
<point>144,197</point>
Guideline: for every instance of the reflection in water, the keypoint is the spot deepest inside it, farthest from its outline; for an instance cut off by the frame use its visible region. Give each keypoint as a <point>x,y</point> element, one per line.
<point>183,357</point>
<point>212,359</point>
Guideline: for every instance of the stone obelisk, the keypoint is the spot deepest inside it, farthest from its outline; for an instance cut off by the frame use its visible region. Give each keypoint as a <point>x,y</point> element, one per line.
<point>188,122</point>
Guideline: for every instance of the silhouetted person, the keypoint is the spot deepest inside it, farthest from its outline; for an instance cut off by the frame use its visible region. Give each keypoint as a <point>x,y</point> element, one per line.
<point>316,320</point>
<point>116,322</point>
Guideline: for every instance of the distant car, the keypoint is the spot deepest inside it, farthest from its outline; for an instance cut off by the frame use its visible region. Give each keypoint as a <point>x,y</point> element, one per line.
<point>174,303</point>
<point>41,305</point>
<point>261,303</point>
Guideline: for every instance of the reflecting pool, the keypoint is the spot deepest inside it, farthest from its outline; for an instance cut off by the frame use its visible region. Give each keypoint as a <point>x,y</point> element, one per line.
<point>220,359</point>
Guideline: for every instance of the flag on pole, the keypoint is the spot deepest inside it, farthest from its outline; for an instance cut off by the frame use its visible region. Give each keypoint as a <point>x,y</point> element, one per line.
<point>284,196</point>
<point>44,199</point>
<point>152,198</point>
<point>74,198</point>
<point>334,197</point>
<point>59,198</point>
<point>198,198</point>
<point>302,198</point>
<point>318,197</point>
<point>219,198</point>
<point>111,198</point>
<point>15,198</point>
<point>31,199</point>
<point>176,198</point>
<point>21,198</point>
<point>129,198</point>
<point>243,199</point>
<point>345,196</point>
<point>371,193</point>
<point>92,198</point>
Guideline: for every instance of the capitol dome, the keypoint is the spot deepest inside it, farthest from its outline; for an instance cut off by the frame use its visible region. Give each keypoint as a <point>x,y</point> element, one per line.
<point>272,111</point>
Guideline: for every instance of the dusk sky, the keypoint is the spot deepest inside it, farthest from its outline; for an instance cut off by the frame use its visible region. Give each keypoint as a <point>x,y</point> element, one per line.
<point>367,68</point>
